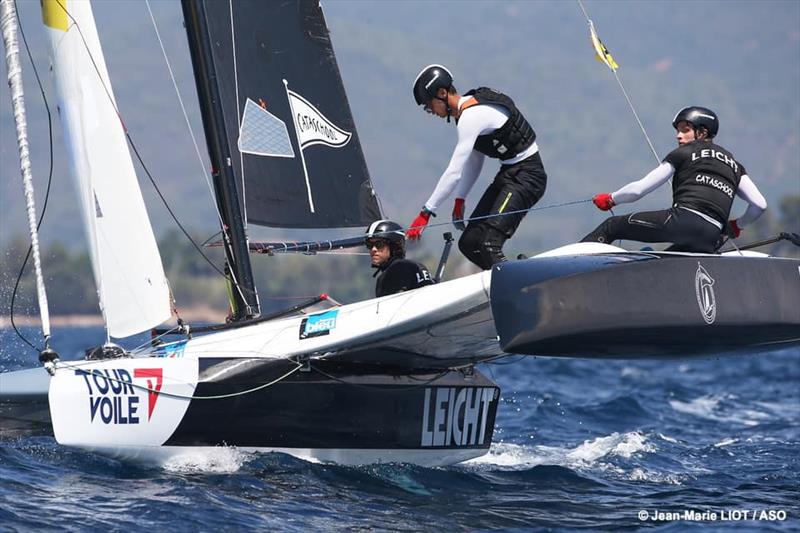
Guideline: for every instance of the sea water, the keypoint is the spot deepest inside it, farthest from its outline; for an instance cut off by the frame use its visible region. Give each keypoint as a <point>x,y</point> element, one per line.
<point>600,445</point>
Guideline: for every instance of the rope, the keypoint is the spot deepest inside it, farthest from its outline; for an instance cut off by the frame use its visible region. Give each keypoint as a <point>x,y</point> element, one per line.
<point>624,92</point>
<point>381,388</point>
<point>184,396</point>
<point>508,213</point>
<point>225,238</point>
<point>183,110</point>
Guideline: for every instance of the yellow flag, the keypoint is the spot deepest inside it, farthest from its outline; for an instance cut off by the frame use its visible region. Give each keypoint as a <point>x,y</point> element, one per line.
<point>601,52</point>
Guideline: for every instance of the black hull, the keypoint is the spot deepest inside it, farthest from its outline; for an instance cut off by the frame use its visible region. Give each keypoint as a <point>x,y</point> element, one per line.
<point>646,305</point>
<point>347,413</point>
<point>333,406</point>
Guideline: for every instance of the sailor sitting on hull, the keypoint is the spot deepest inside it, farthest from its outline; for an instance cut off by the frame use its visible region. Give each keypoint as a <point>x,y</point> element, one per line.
<point>705,178</point>
<point>385,241</point>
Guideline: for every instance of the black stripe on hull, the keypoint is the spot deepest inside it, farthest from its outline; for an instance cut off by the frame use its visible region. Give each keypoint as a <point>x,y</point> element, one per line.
<point>333,406</point>
<point>646,305</point>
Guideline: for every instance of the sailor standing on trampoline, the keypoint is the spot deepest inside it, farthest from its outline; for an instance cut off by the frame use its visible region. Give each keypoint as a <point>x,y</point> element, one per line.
<point>705,178</point>
<point>488,124</point>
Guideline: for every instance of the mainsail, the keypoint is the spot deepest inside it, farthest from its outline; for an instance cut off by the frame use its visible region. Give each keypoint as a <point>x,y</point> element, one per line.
<point>132,288</point>
<point>301,160</point>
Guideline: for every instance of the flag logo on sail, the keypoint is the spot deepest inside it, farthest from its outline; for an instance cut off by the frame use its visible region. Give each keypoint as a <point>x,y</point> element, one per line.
<point>312,127</point>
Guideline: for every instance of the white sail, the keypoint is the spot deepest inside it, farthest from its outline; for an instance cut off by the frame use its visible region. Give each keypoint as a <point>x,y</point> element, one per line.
<point>132,287</point>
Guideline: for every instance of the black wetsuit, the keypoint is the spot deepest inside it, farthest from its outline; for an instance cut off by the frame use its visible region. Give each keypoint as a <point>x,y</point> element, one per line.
<point>398,275</point>
<point>704,183</point>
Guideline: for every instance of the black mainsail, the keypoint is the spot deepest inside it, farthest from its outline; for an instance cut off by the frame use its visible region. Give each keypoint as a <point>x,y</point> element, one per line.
<point>290,131</point>
<point>283,145</point>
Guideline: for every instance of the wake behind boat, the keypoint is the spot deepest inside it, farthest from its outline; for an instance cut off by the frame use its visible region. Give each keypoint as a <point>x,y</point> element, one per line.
<point>386,379</point>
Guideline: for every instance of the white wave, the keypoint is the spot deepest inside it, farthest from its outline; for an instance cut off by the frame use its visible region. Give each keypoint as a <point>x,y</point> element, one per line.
<point>615,444</point>
<point>667,438</point>
<point>726,442</point>
<point>585,455</point>
<point>786,410</point>
<point>207,460</point>
<point>632,372</point>
<point>709,408</point>
<point>641,474</point>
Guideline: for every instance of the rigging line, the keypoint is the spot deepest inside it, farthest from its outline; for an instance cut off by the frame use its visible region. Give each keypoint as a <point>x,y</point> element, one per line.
<point>205,242</point>
<point>138,349</point>
<point>380,388</point>
<point>133,146</point>
<point>169,209</point>
<point>507,213</point>
<point>185,113</point>
<point>49,182</point>
<point>238,117</point>
<point>624,92</point>
<point>225,238</point>
<point>95,373</point>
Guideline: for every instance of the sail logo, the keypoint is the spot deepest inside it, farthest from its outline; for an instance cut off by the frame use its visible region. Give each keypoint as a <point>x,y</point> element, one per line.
<point>113,398</point>
<point>456,416</point>
<point>312,127</point>
<point>262,133</point>
<point>704,291</point>
<point>318,325</point>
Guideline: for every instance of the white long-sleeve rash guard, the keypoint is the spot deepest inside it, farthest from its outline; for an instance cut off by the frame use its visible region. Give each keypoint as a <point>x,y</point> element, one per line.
<point>747,191</point>
<point>465,164</point>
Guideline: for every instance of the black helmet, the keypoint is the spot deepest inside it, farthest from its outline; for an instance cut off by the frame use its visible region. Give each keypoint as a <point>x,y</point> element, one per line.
<point>429,80</point>
<point>386,229</point>
<point>390,231</point>
<point>698,117</point>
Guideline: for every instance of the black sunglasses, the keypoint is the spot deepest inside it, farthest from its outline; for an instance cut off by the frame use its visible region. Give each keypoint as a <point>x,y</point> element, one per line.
<point>380,244</point>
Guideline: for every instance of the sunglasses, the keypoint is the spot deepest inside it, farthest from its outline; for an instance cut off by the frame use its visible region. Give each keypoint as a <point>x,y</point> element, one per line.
<point>379,244</point>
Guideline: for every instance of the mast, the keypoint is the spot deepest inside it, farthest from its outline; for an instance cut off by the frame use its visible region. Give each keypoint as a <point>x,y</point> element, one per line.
<point>8,22</point>
<point>244,296</point>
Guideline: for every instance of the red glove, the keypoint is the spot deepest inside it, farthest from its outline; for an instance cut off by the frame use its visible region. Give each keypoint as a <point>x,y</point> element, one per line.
<point>415,231</point>
<point>733,230</point>
<point>458,214</point>
<point>603,201</point>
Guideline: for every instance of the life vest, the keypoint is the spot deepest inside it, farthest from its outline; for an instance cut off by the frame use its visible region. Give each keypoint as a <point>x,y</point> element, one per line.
<point>706,178</point>
<point>513,137</point>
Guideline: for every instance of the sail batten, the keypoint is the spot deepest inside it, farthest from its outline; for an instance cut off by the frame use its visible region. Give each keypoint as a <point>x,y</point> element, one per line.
<point>300,159</point>
<point>132,287</point>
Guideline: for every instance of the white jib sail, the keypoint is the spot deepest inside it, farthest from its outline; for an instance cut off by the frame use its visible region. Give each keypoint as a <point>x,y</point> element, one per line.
<point>132,287</point>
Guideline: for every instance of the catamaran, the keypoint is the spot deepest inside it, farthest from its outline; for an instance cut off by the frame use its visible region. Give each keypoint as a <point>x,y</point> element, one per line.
<point>386,379</point>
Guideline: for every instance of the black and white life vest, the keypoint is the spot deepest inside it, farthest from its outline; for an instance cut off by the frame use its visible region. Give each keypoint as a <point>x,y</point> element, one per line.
<point>513,137</point>
<point>706,178</point>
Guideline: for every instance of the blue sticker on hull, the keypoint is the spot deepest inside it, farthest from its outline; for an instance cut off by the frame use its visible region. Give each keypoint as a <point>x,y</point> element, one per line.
<point>317,325</point>
<point>173,350</point>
